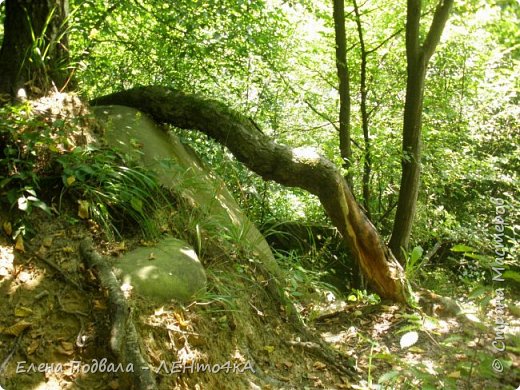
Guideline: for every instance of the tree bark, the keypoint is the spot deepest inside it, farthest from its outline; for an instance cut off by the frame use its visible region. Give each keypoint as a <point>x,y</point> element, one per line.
<point>34,49</point>
<point>345,146</point>
<point>417,56</point>
<point>300,167</point>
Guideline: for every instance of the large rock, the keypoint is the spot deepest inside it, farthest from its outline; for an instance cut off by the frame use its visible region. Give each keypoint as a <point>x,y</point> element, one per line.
<point>178,167</point>
<point>168,270</point>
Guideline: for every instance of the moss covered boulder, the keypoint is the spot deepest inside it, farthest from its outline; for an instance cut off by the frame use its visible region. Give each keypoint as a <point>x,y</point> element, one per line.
<point>166,271</point>
<point>178,167</point>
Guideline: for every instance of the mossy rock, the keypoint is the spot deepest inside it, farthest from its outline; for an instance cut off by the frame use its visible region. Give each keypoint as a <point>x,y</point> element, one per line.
<point>166,271</point>
<point>178,167</point>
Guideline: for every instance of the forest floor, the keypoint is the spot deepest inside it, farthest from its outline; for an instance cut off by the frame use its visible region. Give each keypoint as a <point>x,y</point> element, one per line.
<point>52,318</point>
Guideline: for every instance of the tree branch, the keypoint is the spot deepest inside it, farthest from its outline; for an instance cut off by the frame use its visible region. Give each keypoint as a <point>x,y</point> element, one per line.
<point>299,167</point>
<point>440,18</point>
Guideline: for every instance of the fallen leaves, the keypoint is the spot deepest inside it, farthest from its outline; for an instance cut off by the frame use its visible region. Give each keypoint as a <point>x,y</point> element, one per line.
<point>83,209</point>
<point>19,243</point>
<point>319,366</point>
<point>22,311</point>
<point>8,229</point>
<point>17,329</point>
<point>65,348</point>
<point>33,346</point>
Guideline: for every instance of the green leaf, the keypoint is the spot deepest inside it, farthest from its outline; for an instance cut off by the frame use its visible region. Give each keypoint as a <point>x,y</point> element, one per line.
<point>30,191</point>
<point>481,290</point>
<point>5,181</point>
<point>512,275</point>
<point>416,254</point>
<point>137,204</point>
<point>42,205</point>
<point>462,248</point>
<point>388,376</point>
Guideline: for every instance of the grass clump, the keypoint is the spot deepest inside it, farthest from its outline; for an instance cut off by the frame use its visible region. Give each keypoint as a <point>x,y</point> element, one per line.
<point>41,155</point>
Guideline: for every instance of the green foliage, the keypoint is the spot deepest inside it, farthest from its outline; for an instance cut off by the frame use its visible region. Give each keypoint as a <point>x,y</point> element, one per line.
<point>116,194</point>
<point>27,145</point>
<point>363,296</point>
<point>471,267</point>
<point>303,282</point>
<point>275,63</point>
<point>220,297</point>
<point>413,262</point>
<point>261,200</point>
<point>39,156</point>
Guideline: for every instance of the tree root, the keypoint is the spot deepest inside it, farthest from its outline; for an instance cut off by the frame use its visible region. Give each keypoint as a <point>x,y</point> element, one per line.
<point>124,340</point>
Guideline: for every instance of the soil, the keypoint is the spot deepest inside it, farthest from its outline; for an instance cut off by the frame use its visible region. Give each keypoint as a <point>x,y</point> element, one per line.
<point>49,321</point>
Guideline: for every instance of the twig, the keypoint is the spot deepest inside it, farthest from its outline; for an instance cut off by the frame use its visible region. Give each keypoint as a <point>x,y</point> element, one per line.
<point>12,352</point>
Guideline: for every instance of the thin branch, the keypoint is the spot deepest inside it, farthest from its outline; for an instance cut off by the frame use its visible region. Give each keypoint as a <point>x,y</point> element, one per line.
<point>309,104</point>
<point>388,211</point>
<point>440,18</point>
<point>396,33</point>
<point>163,21</point>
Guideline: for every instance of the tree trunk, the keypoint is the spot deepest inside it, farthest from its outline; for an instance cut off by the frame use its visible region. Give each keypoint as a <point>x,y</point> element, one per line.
<point>417,56</point>
<point>363,91</point>
<point>34,49</point>
<point>411,161</point>
<point>300,167</point>
<point>345,146</point>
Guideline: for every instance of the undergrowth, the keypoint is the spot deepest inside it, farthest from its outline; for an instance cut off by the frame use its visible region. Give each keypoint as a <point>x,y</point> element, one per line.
<point>41,156</point>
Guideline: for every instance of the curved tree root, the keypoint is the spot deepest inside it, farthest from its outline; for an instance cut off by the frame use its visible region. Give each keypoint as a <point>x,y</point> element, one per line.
<point>124,340</point>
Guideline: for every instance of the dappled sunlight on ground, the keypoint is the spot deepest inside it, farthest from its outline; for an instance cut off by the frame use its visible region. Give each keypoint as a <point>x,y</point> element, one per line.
<point>442,352</point>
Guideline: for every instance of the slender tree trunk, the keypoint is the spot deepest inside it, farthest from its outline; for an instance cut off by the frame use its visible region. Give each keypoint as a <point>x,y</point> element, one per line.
<point>417,56</point>
<point>411,161</point>
<point>301,167</point>
<point>367,163</point>
<point>34,49</point>
<point>345,146</point>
